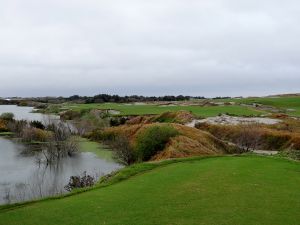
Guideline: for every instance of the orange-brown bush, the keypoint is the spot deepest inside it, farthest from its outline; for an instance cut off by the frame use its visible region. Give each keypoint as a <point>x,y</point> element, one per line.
<point>3,126</point>
<point>295,142</point>
<point>255,136</point>
<point>30,134</point>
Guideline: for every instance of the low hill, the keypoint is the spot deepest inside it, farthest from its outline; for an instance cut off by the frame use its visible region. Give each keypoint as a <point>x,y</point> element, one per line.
<point>181,117</point>
<point>189,142</point>
<point>286,95</point>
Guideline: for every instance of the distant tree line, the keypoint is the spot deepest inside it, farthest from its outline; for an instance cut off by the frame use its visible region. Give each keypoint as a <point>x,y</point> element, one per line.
<point>133,98</point>
<point>220,97</point>
<point>101,98</point>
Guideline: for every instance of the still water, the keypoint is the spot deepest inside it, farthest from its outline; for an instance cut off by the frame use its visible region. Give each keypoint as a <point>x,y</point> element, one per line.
<point>23,178</point>
<point>24,113</point>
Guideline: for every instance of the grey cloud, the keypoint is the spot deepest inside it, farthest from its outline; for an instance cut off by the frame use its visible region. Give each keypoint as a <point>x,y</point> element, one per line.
<point>218,47</point>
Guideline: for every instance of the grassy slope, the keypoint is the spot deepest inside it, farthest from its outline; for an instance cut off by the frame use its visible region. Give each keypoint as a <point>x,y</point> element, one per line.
<point>154,109</point>
<point>279,102</point>
<point>223,190</point>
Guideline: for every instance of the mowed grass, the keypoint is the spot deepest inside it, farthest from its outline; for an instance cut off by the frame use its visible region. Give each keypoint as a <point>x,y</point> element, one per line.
<point>278,102</point>
<point>220,190</point>
<point>127,109</point>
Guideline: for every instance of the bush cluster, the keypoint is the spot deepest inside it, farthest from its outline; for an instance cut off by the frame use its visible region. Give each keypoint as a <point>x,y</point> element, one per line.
<point>147,143</point>
<point>153,140</point>
<point>37,124</point>
<point>80,182</point>
<point>7,116</point>
<point>31,134</point>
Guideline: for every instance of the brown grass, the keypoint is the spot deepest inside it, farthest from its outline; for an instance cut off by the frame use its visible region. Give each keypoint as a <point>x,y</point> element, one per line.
<point>190,141</point>
<point>181,117</point>
<point>3,125</point>
<point>278,137</point>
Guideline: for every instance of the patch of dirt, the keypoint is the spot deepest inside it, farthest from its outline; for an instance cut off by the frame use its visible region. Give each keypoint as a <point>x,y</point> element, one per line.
<point>265,152</point>
<point>232,120</point>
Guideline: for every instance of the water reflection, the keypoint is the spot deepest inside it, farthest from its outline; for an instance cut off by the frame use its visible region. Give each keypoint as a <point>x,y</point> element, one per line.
<point>24,113</point>
<point>24,176</point>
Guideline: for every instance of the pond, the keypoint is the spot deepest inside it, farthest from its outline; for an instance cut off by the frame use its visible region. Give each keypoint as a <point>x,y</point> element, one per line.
<point>23,177</point>
<point>25,113</point>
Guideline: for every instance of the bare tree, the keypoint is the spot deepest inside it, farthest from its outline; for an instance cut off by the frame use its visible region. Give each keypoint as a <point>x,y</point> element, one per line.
<point>249,137</point>
<point>90,123</point>
<point>61,143</point>
<point>123,151</point>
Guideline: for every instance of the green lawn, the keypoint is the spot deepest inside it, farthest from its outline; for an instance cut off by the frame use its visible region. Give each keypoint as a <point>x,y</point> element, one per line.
<point>221,190</point>
<point>278,102</point>
<point>126,109</point>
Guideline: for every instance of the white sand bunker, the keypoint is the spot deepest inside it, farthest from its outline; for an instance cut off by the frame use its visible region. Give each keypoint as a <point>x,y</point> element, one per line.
<point>232,120</point>
<point>114,112</point>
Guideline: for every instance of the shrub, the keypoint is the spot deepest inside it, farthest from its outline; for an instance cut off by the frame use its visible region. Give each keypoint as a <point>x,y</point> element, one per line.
<point>37,124</point>
<point>41,106</point>
<point>23,103</point>
<point>117,121</point>
<point>89,122</point>
<point>80,182</point>
<point>275,140</point>
<point>100,135</point>
<point>3,126</point>
<point>34,134</point>
<point>7,116</point>
<point>17,126</point>
<point>153,140</point>
<point>70,115</point>
<point>123,151</point>
<point>248,137</point>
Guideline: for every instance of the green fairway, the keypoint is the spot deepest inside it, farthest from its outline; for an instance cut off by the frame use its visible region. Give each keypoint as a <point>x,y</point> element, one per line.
<point>221,190</point>
<point>278,102</point>
<point>127,109</point>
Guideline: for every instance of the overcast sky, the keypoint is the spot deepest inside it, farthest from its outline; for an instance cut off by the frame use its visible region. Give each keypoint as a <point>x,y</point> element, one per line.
<point>150,47</point>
